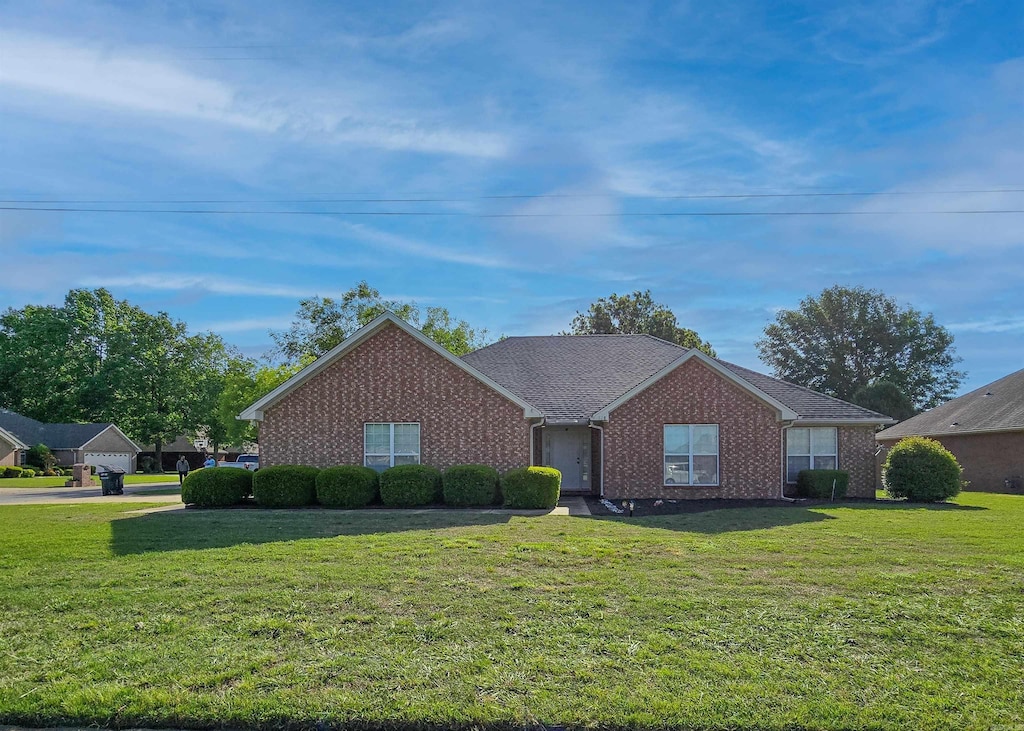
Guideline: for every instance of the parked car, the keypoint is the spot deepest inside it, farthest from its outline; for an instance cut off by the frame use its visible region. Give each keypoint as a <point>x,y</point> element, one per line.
<point>249,462</point>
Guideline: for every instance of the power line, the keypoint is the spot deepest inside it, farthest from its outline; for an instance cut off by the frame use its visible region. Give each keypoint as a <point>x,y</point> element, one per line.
<point>511,196</point>
<point>458,214</point>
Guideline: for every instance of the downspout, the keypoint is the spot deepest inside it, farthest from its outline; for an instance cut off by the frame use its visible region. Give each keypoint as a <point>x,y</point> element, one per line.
<point>782,462</point>
<point>600,429</point>
<point>533,441</point>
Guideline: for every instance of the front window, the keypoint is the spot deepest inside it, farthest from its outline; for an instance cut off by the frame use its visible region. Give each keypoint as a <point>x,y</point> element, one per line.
<point>691,454</point>
<point>387,445</point>
<point>810,448</point>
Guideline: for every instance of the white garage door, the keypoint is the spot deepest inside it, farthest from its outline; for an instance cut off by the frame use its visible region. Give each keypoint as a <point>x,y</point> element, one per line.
<point>110,459</point>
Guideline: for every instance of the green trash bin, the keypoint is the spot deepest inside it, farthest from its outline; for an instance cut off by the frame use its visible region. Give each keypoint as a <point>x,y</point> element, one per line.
<point>111,480</point>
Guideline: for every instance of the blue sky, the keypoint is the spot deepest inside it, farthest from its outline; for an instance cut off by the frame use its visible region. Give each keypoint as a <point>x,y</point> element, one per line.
<point>606,108</point>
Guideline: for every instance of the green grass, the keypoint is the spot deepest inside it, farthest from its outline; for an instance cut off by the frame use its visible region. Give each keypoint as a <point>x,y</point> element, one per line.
<point>855,616</point>
<point>59,481</point>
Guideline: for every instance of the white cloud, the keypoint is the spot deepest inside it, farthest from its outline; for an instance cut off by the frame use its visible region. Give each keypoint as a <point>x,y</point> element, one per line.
<point>253,324</point>
<point>173,281</point>
<point>115,80</point>
<point>132,82</point>
<point>990,325</point>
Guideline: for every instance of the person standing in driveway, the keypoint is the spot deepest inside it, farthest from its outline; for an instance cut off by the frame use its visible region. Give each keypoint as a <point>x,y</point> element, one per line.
<point>182,468</point>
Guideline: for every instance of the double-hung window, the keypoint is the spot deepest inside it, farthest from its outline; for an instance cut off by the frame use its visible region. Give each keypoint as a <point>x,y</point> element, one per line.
<point>810,448</point>
<point>386,445</point>
<point>691,454</point>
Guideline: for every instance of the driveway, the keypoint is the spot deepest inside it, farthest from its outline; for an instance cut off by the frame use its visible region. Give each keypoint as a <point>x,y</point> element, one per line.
<point>57,495</point>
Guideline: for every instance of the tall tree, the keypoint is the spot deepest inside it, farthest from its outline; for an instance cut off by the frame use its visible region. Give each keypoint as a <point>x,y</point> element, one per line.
<point>244,383</point>
<point>636,314</point>
<point>100,359</point>
<point>323,322</point>
<point>885,398</point>
<point>848,338</point>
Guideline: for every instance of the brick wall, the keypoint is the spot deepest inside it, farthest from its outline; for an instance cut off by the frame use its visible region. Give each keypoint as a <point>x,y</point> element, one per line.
<point>749,436</point>
<point>987,459</point>
<point>392,377</point>
<point>857,456</point>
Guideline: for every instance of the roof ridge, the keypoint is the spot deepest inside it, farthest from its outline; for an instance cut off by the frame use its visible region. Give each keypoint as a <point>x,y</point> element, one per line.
<point>804,388</point>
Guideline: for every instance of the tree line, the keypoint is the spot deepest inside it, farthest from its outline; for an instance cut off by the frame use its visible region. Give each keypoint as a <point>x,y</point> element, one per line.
<point>97,359</point>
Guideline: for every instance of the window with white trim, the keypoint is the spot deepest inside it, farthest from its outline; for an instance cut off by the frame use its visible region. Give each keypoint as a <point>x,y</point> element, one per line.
<point>809,448</point>
<point>389,444</point>
<point>691,454</point>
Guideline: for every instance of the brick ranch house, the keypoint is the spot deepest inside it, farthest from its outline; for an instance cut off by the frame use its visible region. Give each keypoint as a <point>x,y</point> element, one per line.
<point>95,444</point>
<point>984,429</point>
<point>618,415</point>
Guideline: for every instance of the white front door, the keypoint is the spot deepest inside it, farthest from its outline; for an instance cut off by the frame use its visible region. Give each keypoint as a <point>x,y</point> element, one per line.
<point>110,459</point>
<point>567,449</point>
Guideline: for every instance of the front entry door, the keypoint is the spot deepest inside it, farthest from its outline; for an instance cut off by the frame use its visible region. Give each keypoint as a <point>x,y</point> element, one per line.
<point>567,449</point>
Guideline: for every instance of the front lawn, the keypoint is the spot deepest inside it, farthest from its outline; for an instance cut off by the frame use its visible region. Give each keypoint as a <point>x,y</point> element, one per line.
<point>59,481</point>
<point>863,616</point>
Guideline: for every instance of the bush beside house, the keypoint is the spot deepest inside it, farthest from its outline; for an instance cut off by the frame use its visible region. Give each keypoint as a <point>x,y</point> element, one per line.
<point>531,487</point>
<point>410,485</point>
<point>216,488</point>
<point>283,486</point>
<point>819,483</point>
<point>468,485</point>
<point>921,470</point>
<point>348,486</point>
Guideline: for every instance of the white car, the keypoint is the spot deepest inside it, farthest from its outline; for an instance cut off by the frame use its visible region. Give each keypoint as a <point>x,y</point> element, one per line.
<point>249,462</point>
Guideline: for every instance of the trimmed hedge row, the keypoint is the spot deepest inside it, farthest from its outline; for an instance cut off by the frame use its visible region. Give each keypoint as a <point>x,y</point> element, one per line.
<point>818,483</point>
<point>284,486</point>
<point>353,486</point>
<point>216,488</point>
<point>531,487</point>
<point>348,486</point>
<point>13,471</point>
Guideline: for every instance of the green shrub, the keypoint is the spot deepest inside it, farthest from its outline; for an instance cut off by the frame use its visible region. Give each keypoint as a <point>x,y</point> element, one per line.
<point>283,485</point>
<point>216,488</point>
<point>348,486</point>
<point>408,485</point>
<point>40,458</point>
<point>921,470</point>
<point>818,483</point>
<point>28,473</point>
<point>531,487</point>
<point>12,471</point>
<point>471,484</point>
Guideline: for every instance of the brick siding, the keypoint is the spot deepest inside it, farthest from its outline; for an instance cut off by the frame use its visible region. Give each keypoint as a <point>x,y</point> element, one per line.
<point>749,437</point>
<point>857,456</point>
<point>392,377</point>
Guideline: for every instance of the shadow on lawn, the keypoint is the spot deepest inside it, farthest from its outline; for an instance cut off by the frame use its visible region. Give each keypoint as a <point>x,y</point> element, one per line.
<point>722,520</point>
<point>200,529</point>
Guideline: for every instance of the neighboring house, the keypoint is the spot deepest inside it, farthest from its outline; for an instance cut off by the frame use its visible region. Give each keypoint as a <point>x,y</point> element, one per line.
<point>618,415</point>
<point>984,429</point>
<point>195,451</point>
<point>97,444</point>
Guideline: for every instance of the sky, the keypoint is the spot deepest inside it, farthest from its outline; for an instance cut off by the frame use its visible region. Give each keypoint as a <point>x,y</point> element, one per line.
<point>246,155</point>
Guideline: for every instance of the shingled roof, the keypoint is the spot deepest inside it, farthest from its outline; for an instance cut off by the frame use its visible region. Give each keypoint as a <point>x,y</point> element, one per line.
<point>999,406</point>
<point>572,377</point>
<point>54,436</point>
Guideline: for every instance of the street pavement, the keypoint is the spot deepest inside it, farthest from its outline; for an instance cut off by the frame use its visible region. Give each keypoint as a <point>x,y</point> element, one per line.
<point>64,495</point>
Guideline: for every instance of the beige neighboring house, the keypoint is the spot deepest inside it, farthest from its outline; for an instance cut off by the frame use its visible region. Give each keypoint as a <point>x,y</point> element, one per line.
<point>96,444</point>
<point>984,429</point>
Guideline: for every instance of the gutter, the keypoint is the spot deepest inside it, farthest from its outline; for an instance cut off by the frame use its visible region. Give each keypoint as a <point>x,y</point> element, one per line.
<point>782,462</point>
<point>533,441</point>
<point>600,429</point>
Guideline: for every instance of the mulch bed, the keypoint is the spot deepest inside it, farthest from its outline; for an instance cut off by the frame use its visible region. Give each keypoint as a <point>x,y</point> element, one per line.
<point>647,507</point>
